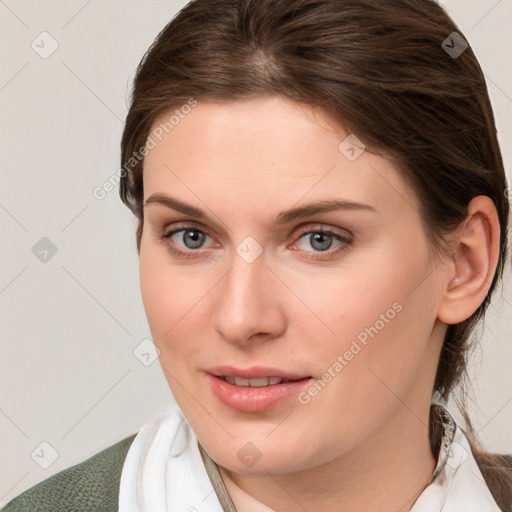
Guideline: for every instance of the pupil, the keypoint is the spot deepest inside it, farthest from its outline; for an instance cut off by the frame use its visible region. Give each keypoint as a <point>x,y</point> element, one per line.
<point>195,239</point>
<point>321,241</point>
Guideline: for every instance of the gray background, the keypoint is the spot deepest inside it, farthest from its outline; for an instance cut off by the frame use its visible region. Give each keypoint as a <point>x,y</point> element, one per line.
<point>70,325</point>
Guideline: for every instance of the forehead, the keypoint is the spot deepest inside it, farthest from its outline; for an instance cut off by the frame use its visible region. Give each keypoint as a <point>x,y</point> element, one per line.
<point>260,151</point>
<point>269,128</point>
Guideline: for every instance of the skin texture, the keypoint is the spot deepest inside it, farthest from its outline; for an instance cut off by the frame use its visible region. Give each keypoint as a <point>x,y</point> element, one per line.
<point>361,443</point>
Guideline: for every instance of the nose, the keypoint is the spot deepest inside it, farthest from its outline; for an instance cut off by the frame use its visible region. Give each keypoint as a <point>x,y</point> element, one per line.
<point>248,306</point>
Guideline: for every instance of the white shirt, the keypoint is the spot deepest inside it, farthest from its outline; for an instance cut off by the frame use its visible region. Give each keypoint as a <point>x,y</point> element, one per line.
<point>165,472</point>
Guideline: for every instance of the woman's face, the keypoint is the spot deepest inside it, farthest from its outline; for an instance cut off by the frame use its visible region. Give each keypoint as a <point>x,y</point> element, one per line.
<point>265,277</point>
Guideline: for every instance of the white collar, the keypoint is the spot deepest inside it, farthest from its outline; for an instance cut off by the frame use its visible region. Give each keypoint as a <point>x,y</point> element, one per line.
<point>164,471</point>
<point>457,484</point>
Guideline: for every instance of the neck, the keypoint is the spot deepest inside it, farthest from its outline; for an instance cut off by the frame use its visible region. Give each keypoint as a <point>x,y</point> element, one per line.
<point>386,472</point>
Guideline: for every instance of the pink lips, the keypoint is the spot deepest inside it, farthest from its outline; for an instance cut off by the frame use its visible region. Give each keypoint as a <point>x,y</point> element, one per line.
<point>254,399</point>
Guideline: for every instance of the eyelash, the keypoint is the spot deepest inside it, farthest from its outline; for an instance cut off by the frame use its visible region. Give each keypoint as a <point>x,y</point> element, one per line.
<point>320,255</point>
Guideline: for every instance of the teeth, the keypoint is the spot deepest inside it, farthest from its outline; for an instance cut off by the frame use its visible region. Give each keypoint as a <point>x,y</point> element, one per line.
<point>260,382</point>
<point>255,383</point>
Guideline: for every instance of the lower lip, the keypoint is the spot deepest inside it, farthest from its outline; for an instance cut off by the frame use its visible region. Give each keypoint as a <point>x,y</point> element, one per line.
<point>255,399</point>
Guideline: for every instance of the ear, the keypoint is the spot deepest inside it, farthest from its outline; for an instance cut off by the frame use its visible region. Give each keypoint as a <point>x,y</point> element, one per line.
<point>475,252</point>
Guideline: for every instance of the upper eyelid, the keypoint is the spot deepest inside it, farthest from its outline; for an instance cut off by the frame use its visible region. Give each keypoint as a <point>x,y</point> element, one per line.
<point>301,231</point>
<point>183,227</point>
<point>308,226</point>
<point>322,226</point>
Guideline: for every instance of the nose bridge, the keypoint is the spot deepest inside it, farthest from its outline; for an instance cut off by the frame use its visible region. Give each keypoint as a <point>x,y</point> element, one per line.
<point>244,278</point>
<point>244,304</point>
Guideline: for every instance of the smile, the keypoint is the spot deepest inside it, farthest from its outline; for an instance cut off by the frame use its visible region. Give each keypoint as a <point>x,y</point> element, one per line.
<point>255,383</point>
<point>254,390</point>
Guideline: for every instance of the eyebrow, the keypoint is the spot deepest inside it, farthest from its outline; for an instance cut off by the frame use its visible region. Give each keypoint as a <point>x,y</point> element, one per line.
<point>283,217</point>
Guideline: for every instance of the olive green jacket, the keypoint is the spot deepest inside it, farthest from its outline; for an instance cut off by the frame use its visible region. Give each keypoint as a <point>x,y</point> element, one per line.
<point>93,486</point>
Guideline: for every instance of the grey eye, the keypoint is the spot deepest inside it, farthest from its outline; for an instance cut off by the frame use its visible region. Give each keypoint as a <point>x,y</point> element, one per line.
<point>193,238</point>
<point>320,241</point>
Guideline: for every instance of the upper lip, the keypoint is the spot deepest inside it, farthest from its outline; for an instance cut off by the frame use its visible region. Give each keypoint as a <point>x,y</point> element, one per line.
<point>254,372</point>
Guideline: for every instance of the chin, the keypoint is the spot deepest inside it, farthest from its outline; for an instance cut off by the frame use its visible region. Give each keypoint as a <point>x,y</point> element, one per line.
<point>253,452</point>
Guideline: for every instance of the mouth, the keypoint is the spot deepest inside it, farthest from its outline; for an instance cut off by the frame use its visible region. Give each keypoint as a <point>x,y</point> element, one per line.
<point>256,389</point>
<point>254,383</point>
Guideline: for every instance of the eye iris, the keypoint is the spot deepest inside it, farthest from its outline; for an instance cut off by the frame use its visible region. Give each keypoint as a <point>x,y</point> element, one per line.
<point>324,241</point>
<point>196,239</point>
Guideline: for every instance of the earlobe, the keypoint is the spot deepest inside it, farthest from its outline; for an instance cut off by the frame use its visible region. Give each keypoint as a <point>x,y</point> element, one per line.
<point>476,250</point>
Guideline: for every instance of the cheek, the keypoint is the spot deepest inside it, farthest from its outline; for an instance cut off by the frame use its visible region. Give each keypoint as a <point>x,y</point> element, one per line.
<point>346,301</point>
<point>174,300</point>
<point>163,296</point>
<point>379,312</point>
<point>373,361</point>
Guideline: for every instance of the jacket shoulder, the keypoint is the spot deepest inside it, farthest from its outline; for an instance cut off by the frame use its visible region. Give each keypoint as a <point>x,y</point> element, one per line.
<point>89,485</point>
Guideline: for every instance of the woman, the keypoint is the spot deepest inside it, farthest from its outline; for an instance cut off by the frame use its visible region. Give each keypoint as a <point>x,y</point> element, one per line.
<point>322,223</point>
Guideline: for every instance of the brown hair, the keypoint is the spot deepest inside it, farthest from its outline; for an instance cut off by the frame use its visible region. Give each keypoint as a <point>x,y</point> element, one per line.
<point>382,71</point>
